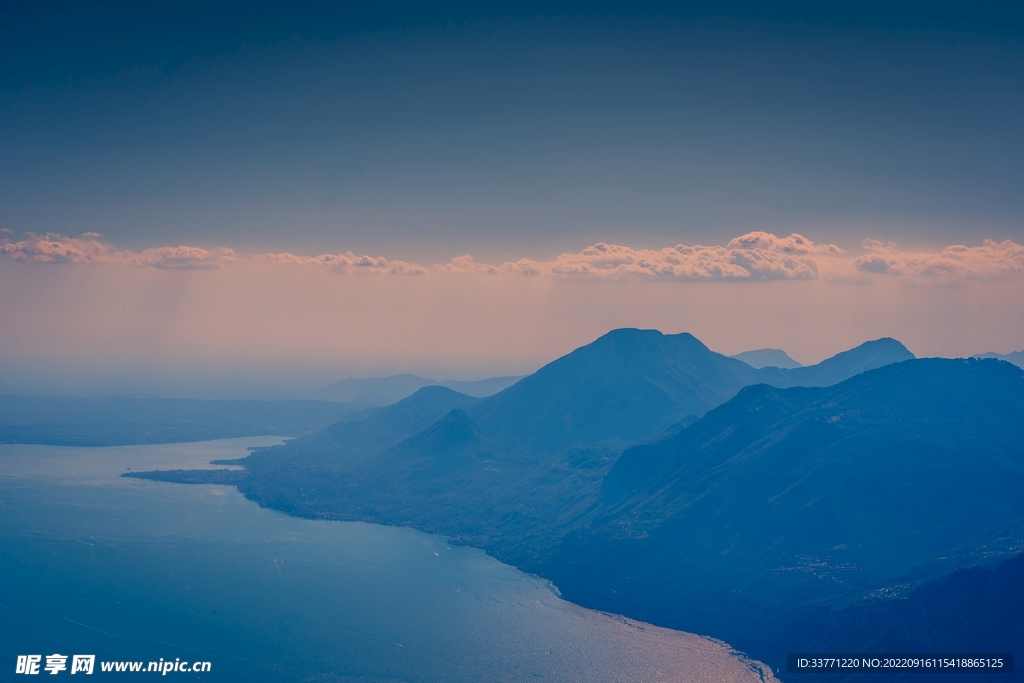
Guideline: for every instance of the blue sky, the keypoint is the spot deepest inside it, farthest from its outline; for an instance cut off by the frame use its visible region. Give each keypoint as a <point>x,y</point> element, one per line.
<point>428,133</point>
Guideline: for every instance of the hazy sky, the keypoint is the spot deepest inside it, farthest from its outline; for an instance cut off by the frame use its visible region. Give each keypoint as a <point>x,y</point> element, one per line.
<point>258,139</point>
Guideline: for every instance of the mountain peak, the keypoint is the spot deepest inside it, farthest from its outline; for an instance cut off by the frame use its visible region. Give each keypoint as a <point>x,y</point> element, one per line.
<point>868,356</point>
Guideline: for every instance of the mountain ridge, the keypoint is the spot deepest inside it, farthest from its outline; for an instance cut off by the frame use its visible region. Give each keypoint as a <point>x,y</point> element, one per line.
<point>383,391</point>
<point>1016,357</point>
<point>760,358</point>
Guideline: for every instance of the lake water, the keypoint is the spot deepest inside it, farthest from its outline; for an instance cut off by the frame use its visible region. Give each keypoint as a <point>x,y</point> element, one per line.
<point>127,569</point>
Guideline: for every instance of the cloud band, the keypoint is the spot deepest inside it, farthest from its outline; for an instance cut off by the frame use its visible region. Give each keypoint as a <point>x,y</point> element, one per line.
<point>755,256</point>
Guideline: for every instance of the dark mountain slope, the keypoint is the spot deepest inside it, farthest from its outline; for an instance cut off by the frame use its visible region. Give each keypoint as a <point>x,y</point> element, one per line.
<point>978,609</point>
<point>782,499</point>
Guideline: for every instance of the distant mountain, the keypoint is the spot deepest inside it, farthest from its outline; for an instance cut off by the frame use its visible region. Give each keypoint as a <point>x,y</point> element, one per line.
<point>761,358</point>
<point>1017,357</point>
<point>124,421</point>
<point>349,442</point>
<point>630,384</point>
<point>782,499</point>
<point>481,388</point>
<point>842,366</point>
<point>619,389</point>
<point>382,391</point>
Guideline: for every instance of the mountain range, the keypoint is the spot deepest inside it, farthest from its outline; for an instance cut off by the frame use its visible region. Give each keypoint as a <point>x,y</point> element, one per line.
<point>647,475</point>
<point>627,386</point>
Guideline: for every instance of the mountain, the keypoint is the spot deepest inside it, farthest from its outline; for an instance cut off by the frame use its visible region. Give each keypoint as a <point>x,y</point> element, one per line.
<point>1017,357</point>
<point>842,366</point>
<point>761,358</point>
<point>382,391</point>
<point>621,388</point>
<point>125,421</point>
<point>630,384</point>
<point>349,442</point>
<point>550,440</point>
<point>575,414</point>
<point>481,388</point>
<point>448,479</point>
<point>783,500</point>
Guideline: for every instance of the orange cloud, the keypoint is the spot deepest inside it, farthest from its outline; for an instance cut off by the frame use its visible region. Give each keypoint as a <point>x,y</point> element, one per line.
<point>755,256</point>
<point>54,248</point>
<point>346,262</point>
<point>991,261</point>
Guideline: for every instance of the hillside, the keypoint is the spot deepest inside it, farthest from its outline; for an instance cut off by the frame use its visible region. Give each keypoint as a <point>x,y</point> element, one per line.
<point>448,479</point>
<point>977,609</point>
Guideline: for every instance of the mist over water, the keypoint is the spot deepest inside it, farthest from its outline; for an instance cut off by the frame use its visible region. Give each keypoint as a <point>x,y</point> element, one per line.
<point>127,569</point>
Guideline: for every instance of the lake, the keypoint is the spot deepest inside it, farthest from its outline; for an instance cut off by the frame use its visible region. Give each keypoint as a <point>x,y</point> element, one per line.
<point>129,569</point>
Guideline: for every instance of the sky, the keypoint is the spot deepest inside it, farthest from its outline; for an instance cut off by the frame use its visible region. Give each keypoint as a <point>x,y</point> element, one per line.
<point>257,200</point>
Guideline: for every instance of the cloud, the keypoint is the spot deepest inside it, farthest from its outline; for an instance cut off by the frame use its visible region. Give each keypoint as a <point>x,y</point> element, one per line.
<point>55,248</point>
<point>990,261</point>
<point>346,262</point>
<point>755,256</point>
<point>466,265</point>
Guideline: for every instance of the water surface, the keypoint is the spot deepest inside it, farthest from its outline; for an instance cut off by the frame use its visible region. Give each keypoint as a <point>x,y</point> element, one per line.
<point>129,569</point>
